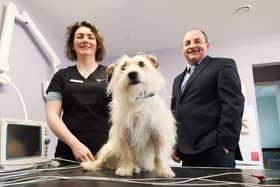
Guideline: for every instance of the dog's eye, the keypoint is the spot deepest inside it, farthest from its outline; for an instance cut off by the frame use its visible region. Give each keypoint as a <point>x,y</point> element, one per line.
<point>141,64</point>
<point>123,67</point>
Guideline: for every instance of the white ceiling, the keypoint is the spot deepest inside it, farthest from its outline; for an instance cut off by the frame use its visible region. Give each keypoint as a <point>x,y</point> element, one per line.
<point>131,26</point>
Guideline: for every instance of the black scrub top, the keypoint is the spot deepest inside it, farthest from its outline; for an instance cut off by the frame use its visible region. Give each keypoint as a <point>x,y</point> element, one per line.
<point>85,107</point>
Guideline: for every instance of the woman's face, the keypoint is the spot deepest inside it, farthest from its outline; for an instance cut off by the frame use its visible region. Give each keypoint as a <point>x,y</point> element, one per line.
<point>85,42</point>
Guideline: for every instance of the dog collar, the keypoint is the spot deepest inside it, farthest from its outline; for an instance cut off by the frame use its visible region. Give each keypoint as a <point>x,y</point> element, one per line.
<point>144,95</point>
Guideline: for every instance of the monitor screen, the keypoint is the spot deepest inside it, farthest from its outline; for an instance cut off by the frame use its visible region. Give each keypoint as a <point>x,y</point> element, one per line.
<point>23,141</point>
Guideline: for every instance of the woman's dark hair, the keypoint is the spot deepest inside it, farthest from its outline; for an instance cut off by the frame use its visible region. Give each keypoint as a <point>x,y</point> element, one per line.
<point>70,33</point>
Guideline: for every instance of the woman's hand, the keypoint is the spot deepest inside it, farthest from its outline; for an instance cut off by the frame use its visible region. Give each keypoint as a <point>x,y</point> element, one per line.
<point>82,153</point>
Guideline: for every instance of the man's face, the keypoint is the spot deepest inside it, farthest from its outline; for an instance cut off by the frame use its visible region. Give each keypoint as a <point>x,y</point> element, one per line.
<point>194,46</point>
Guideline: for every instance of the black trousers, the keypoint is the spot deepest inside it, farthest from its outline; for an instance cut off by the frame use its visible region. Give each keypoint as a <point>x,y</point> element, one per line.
<point>213,157</point>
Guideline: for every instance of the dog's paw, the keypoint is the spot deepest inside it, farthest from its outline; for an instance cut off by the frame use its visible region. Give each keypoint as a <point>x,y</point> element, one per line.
<point>124,171</point>
<point>137,170</point>
<point>92,165</point>
<point>149,169</point>
<point>165,172</point>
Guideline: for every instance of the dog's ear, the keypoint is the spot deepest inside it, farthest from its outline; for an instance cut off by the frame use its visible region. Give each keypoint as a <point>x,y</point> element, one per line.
<point>154,60</point>
<point>109,70</point>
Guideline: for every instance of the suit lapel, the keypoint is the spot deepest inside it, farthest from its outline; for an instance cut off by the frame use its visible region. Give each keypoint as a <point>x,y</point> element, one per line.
<point>179,82</point>
<point>198,69</point>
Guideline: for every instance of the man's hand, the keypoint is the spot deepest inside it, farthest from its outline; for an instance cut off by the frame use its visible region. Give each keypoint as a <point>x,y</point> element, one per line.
<point>174,156</point>
<point>226,150</point>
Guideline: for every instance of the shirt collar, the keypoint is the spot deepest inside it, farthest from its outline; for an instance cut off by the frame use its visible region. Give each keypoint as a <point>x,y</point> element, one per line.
<point>197,62</point>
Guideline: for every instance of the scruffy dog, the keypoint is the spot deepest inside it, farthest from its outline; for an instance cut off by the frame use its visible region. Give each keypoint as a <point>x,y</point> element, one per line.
<point>143,128</point>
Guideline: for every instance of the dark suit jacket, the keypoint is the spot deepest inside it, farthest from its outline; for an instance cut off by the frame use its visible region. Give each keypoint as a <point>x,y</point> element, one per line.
<point>209,111</point>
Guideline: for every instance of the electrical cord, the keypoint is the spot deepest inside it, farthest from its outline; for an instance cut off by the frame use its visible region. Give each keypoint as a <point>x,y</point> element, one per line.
<point>5,77</point>
<point>35,168</point>
<point>67,160</point>
<point>147,181</point>
<point>22,177</point>
<point>21,166</point>
<point>36,179</point>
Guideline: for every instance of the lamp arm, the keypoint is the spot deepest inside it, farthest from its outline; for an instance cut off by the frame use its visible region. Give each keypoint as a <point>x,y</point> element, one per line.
<point>39,38</point>
<point>6,36</point>
<point>12,14</point>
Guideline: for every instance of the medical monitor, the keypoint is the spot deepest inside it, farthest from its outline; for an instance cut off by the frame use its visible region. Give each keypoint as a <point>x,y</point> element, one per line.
<point>22,142</point>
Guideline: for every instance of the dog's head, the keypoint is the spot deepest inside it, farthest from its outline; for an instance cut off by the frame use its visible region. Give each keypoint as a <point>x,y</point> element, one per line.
<point>134,75</point>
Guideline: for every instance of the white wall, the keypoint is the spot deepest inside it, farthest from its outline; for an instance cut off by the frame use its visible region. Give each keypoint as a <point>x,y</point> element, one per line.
<point>255,49</point>
<point>247,51</point>
<point>29,68</point>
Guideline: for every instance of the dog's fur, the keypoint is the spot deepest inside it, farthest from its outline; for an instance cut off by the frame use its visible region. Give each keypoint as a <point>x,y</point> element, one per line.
<point>143,128</point>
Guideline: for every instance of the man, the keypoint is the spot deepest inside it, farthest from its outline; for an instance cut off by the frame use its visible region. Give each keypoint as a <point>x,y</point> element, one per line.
<point>208,105</point>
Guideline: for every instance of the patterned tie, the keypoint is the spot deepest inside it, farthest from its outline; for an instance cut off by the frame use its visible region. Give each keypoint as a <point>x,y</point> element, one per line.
<point>190,70</point>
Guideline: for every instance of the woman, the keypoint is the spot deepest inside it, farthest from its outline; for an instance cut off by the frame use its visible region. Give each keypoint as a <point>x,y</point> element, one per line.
<point>80,92</point>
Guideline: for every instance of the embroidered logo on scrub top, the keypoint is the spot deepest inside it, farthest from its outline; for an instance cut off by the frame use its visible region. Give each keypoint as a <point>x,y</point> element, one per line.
<point>76,81</point>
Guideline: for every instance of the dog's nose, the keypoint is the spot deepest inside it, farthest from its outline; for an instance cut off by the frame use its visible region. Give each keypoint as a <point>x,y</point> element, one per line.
<point>132,75</point>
